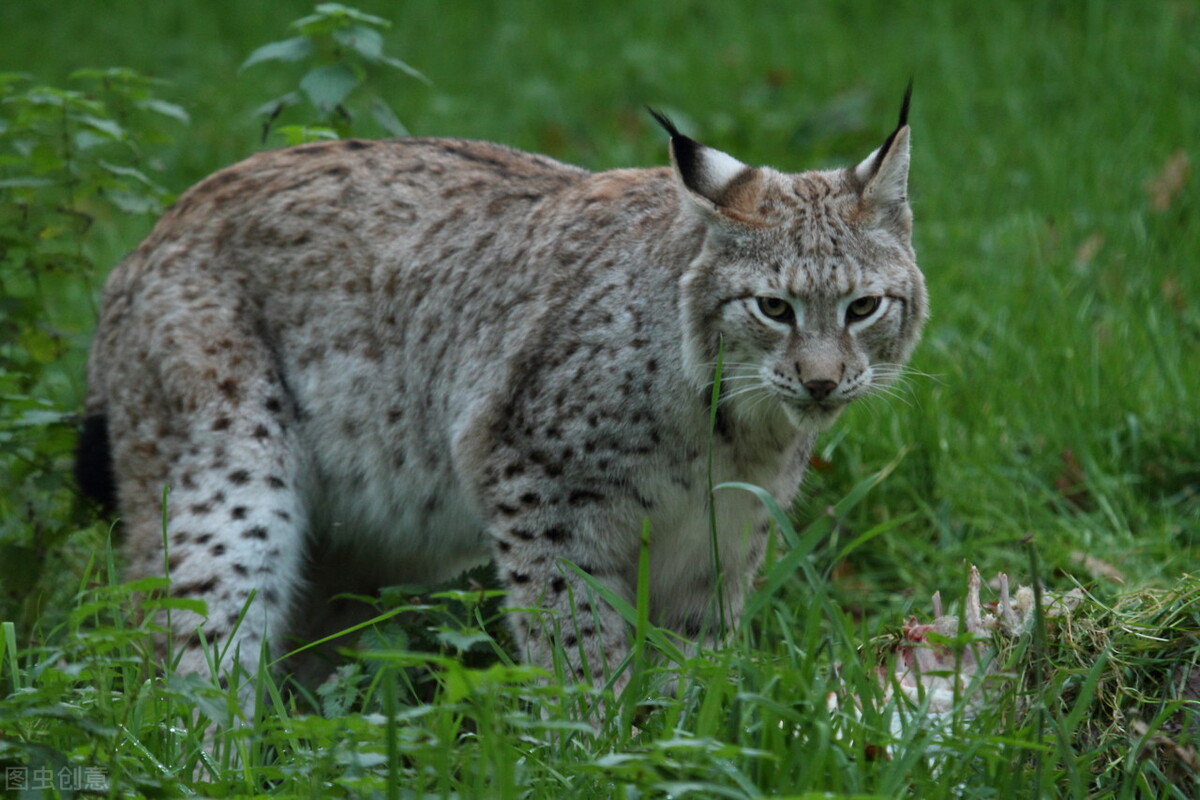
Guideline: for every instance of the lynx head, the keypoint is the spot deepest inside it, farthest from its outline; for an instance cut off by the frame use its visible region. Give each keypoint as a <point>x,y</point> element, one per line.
<point>806,283</point>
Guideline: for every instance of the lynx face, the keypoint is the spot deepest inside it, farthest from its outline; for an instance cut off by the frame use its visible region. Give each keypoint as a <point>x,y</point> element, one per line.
<point>807,284</point>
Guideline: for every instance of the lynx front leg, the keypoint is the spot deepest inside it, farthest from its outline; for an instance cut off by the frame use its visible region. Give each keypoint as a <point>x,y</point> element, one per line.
<point>699,596</point>
<point>560,611</point>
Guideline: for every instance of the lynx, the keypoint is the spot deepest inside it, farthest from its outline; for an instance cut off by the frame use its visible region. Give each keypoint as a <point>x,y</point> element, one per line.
<point>362,363</point>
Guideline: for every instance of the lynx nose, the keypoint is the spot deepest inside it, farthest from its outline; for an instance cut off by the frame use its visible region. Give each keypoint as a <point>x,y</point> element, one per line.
<point>820,389</point>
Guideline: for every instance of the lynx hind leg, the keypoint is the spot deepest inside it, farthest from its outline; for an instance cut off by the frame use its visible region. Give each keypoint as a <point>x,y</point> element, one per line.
<point>235,522</point>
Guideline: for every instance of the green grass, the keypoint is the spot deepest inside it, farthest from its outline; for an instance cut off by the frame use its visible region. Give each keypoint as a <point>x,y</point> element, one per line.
<point>1054,400</point>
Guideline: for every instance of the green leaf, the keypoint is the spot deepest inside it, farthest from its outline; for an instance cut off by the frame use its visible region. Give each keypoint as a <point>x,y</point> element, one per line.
<point>273,108</point>
<point>86,140</point>
<point>406,69</point>
<point>148,585</point>
<point>360,760</point>
<point>329,17</point>
<point>367,42</point>
<point>328,86</point>
<point>105,126</point>
<point>296,49</point>
<point>134,203</point>
<point>67,714</point>
<point>316,25</point>
<point>41,346</point>
<point>165,109</point>
<point>460,683</point>
<point>178,604</point>
<point>303,134</point>
<point>131,172</point>
<point>337,9</point>
<point>39,417</point>
<point>387,118</point>
<point>125,75</point>
<point>15,183</point>
<point>463,640</point>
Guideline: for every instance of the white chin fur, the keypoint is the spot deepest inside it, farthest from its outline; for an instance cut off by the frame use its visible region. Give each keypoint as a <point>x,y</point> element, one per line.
<point>814,423</point>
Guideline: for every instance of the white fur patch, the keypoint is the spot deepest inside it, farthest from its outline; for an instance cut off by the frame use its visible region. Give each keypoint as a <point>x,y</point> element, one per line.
<point>890,183</point>
<point>720,168</point>
<point>864,169</point>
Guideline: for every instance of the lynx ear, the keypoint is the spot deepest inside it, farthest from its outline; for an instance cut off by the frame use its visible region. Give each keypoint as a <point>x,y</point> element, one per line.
<point>717,183</point>
<point>883,175</point>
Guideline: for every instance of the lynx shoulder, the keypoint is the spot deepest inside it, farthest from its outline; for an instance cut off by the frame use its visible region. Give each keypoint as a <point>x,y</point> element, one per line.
<point>361,363</point>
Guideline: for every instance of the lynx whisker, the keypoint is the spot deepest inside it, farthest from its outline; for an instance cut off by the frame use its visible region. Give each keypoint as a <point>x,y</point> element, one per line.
<point>903,371</point>
<point>741,391</point>
<point>898,392</point>
<point>711,366</point>
<point>761,400</point>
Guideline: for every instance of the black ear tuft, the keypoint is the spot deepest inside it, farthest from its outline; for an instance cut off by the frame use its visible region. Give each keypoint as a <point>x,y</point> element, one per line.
<point>686,150</point>
<point>887,145</point>
<point>904,106</point>
<point>665,121</point>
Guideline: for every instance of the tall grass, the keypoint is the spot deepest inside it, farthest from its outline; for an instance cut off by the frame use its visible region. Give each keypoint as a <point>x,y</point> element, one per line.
<point>1053,402</point>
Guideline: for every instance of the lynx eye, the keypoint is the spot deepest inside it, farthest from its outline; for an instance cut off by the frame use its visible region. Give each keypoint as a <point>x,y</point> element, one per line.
<point>775,308</point>
<point>861,308</point>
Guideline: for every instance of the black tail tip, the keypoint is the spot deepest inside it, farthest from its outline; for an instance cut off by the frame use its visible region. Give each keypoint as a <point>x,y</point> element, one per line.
<point>93,462</point>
